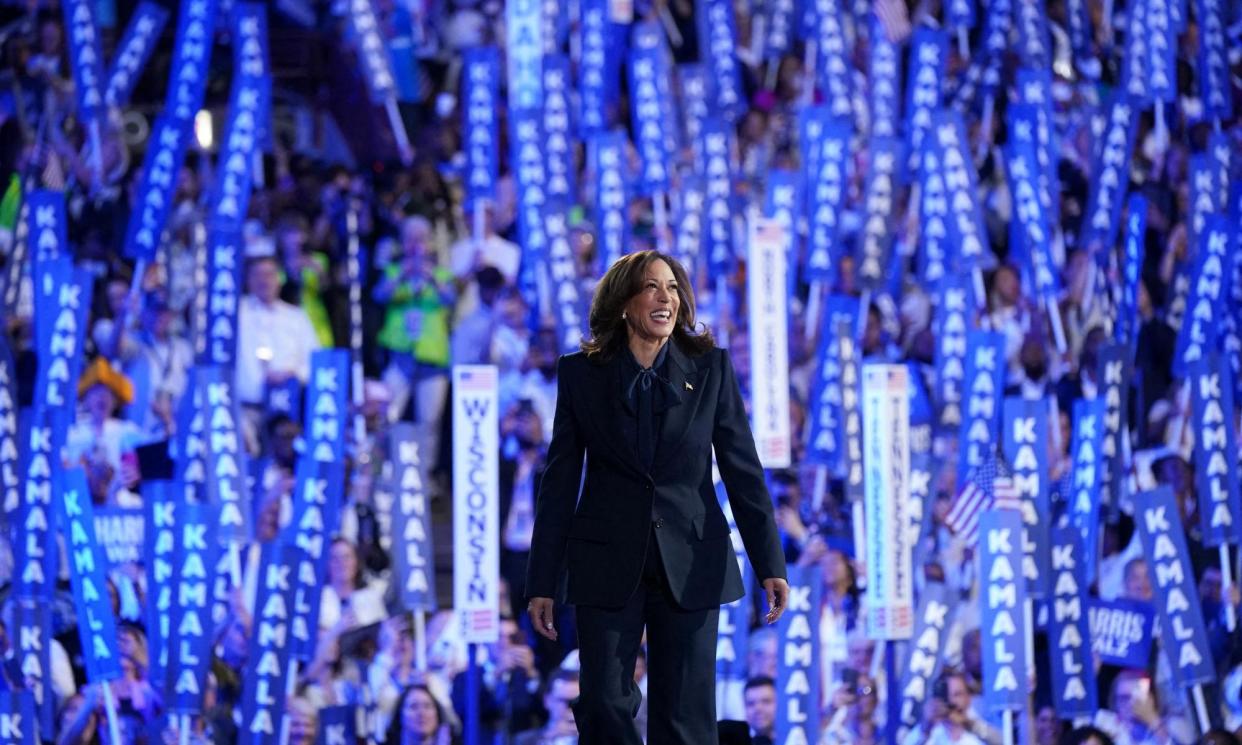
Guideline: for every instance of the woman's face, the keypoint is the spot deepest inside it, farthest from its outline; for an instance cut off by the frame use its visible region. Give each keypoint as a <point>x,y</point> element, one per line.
<point>651,315</point>
<point>419,716</point>
<point>342,564</point>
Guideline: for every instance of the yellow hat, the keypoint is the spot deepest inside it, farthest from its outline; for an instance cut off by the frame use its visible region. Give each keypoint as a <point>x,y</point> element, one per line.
<point>100,372</point>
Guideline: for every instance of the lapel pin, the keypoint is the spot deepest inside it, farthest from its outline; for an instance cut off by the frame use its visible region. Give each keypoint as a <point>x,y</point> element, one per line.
<point>689,387</point>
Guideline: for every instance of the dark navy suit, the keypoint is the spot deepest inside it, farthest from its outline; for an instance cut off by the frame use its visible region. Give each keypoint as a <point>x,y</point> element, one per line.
<point>649,546</point>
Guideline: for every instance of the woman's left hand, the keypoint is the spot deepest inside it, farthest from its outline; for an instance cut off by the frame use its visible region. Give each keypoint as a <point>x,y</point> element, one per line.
<point>778,597</point>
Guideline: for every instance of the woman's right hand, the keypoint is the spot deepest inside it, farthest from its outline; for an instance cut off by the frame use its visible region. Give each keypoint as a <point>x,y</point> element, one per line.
<point>540,610</point>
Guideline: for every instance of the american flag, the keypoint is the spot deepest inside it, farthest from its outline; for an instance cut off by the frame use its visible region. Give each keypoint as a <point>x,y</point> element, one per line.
<point>476,378</point>
<point>988,486</point>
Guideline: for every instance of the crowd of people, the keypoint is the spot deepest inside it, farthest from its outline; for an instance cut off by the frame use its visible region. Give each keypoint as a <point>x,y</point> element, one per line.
<point>435,294</point>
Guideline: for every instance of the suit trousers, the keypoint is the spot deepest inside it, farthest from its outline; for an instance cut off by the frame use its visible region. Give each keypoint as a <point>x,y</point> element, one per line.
<point>681,666</point>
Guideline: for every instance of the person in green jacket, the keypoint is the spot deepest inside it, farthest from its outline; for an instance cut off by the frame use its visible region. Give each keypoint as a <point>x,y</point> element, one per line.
<point>419,297</point>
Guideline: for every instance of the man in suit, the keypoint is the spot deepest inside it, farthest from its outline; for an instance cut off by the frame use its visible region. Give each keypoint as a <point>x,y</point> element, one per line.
<point>646,402</point>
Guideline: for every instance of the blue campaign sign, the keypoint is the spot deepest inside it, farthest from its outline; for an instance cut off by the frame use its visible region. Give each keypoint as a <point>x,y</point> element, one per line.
<point>599,68</point>
<point>225,461</point>
<point>187,81</point>
<point>1112,169</point>
<point>612,224</point>
<point>61,320</point>
<point>34,557</point>
<point>688,230</point>
<point>91,602</point>
<point>982,388</point>
<point>782,18</point>
<point>646,68</point>
<point>825,144</point>
<point>558,131</point>
<point>733,632</point>
<point>1024,442</point>
<point>480,128</point>
<point>1182,633</point>
<point>32,630</point>
<point>132,53</point>
<point>318,495</point>
<point>884,84</point>
<point>282,398</point>
<point>46,228</point>
<point>327,405</point>
<point>1216,451</point>
<point>935,615</point>
<point>1205,306</point>
<point>875,249</point>
<point>412,549</point>
<point>1114,376</point>
<point>267,667</point>
<point>934,213</point>
<point>85,58</point>
<point>832,74</point>
<point>119,531</point>
<point>1134,248</point>
<point>798,658</point>
<point>717,33</point>
<point>338,725</point>
<point>696,106</point>
<point>1034,88</point>
<point>196,557</point>
<point>188,448</point>
<point>159,499</point>
<point>1034,45</point>
<point>526,155</point>
<point>1162,48</point>
<point>851,408</point>
<point>952,324</point>
<point>161,166</point>
<point>1032,225</point>
<point>10,482</point>
<point>217,345</point>
<point>1215,86</point>
<point>929,55</point>
<point>1074,691</point>
<point>249,104</point>
<point>1003,620</point>
<point>568,300</point>
<point>825,442</point>
<point>996,26</point>
<point>372,53</point>
<point>717,147</point>
<point>18,720</point>
<point>967,233</point>
<point>1121,631</point>
<point>1083,500</point>
<point>1137,57</point>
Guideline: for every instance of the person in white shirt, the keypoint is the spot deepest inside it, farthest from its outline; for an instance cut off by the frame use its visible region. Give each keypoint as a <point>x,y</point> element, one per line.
<point>274,339</point>
<point>468,255</point>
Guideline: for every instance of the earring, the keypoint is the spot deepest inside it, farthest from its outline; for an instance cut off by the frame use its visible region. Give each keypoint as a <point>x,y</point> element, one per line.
<point>622,315</point>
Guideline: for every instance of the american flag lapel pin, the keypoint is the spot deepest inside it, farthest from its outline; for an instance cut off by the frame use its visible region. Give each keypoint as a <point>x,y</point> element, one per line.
<point>688,386</point>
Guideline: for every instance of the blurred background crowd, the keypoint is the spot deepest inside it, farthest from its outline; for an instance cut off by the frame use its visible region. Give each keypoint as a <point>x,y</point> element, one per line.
<point>435,295</point>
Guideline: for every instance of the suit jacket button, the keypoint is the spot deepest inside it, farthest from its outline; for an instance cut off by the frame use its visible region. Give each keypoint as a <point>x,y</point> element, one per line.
<point>659,523</point>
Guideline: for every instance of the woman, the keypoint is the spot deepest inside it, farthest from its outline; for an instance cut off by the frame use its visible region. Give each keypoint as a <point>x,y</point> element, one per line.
<point>348,601</point>
<point>645,401</point>
<point>419,719</point>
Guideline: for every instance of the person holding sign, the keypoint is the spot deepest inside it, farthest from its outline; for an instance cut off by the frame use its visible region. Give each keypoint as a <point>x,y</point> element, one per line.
<point>646,401</point>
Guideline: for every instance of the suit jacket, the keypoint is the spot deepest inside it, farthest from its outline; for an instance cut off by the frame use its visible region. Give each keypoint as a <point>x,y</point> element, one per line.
<point>602,528</point>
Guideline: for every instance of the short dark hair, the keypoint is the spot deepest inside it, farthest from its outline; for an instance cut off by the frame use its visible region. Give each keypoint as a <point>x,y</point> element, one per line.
<point>559,675</point>
<point>758,681</point>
